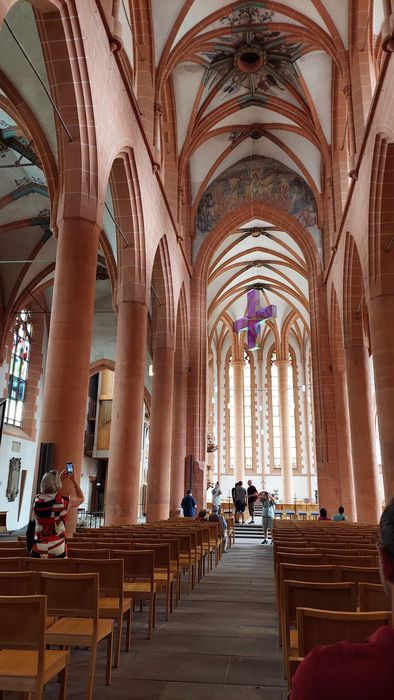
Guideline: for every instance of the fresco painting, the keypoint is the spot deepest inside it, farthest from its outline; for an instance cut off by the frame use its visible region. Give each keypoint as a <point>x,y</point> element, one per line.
<point>257,179</point>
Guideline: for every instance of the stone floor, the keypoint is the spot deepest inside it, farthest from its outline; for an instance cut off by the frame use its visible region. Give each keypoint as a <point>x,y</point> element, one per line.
<point>221,643</point>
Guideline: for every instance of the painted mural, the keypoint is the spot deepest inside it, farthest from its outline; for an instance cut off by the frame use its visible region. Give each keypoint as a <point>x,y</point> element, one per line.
<point>258,179</point>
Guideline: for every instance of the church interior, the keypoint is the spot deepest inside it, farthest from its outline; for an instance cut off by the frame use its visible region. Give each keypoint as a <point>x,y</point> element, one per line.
<point>196,229</point>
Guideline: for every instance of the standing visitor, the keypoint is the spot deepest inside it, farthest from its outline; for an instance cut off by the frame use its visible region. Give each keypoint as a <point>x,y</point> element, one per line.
<point>252,497</point>
<point>240,502</point>
<point>268,503</point>
<point>216,494</point>
<point>188,505</point>
<point>50,510</point>
<point>233,490</point>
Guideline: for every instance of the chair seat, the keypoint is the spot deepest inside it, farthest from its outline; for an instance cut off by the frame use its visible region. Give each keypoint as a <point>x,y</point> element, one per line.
<point>77,631</point>
<point>131,587</point>
<point>111,605</point>
<point>16,663</point>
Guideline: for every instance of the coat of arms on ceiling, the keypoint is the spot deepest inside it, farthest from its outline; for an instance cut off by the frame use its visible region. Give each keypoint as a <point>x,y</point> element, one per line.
<point>252,57</point>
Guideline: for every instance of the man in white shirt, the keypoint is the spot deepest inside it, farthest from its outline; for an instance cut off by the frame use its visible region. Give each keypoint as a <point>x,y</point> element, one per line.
<point>216,494</point>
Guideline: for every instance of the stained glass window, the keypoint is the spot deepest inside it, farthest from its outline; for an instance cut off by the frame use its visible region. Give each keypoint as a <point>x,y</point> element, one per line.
<point>19,368</point>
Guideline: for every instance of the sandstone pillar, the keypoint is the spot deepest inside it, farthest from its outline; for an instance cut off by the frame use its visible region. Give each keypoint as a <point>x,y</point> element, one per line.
<point>123,480</point>
<point>285,448</point>
<point>238,398</point>
<point>381,319</point>
<point>362,434</point>
<point>68,358</point>
<point>178,448</point>
<point>344,446</point>
<point>158,498</point>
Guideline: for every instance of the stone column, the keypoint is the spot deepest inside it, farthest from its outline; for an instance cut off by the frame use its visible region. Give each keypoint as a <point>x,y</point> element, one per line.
<point>239,451</point>
<point>362,434</point>
<point>344,446</point>
<point>123,480</point>
<point>158,499</point>
<point>63,415</point>
<point>178,450</point>
<point>285,448</point>
<point>381,319</point>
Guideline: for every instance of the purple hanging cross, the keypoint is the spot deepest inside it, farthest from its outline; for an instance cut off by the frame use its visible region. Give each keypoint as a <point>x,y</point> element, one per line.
<point>254,318</point>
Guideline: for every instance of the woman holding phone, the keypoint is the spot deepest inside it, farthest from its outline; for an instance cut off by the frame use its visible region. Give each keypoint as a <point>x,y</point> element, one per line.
<point>50,509</point>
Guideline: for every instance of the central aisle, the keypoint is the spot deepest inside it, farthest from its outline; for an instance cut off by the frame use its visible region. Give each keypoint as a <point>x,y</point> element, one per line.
<point>221,643</point>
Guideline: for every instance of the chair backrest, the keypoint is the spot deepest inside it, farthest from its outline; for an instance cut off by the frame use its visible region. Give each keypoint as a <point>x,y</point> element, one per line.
<point>110,571</point>
<point>359,574</point>
<point>11,564</point>
<point>161,550</point>
<point>328,627</point>
<point>74,595</point>
<point>81,545</point>
<point>11,552</point>
<point>326,596</point>
<point>139,564</point>
<point>55,565</point>
<point>18,583</point>
<point>299,559</point>
<point>4,544</point>
<point>22,623</point>
<point>351,560</point>
<point>372,597</point>
<point>88,553</point>
<point>325,573</point>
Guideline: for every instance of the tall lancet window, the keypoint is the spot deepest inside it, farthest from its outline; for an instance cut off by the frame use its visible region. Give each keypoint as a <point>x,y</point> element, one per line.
<point>19,368</point>
<point>276,428</point>
<point>248,412</point>
<point>232,413</point>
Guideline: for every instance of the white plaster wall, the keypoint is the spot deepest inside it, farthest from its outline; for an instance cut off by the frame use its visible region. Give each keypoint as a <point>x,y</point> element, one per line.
<point>27,453</point>
<point>104,336</point>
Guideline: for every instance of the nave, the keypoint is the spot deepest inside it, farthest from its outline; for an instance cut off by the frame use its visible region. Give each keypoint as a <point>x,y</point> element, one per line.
<point>221,642</point>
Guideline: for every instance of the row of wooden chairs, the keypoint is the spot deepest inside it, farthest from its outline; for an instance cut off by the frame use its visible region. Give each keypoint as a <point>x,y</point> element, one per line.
<point>327,587</point>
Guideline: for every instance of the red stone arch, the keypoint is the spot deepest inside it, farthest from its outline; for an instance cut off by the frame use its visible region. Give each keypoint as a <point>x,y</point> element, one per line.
<point>381,218</point>
<point>130,231</point>
<point>355,320</point>
<point>58,26</point>
<point>100,365</point>
<point>162,297</point>
<point>324,416</point>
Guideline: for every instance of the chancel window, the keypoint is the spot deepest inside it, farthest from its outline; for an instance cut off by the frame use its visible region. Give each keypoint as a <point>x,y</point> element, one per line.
<point>248,433</point>
<point>19,368</point>
<point>276,428</point>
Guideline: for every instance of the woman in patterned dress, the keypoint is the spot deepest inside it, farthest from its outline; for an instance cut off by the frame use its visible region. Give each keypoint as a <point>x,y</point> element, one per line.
<point>50,509</point>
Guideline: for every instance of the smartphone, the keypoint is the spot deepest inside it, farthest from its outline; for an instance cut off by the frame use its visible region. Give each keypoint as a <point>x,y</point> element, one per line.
<point>69,468</point>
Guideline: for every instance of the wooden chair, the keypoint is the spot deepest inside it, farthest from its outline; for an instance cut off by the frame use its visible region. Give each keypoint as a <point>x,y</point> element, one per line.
<point>372,597</point>
<point>328,627</point>
<point>112,603</point>
<point>11,552</point>
<point>359,574</point>
<point>350,560</point>
<point>18,583</point>
<point>299,594</point>
<point>11,564</point>
<point>25,665</point>
<point>139,576</point>
<point>163,576</point>
<point>54,565</point>
<point>73,598</point>
<point>325,573</point>
<point>88,553</point>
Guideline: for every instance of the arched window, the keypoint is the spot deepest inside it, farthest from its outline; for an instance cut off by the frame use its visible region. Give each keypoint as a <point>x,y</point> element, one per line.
<point>19,368</point>
<point>276,428</point>
<point>248,435</point>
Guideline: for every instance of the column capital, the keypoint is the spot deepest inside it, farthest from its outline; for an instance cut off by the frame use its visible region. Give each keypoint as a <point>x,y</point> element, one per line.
<point>282,363</point>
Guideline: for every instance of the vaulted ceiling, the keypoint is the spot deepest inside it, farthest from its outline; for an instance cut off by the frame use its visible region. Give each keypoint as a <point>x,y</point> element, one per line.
<point>252,81</point>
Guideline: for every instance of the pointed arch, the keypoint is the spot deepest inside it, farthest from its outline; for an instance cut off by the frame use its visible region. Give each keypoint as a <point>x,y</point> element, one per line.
<point>162,297</point>
<point>353,295</point>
